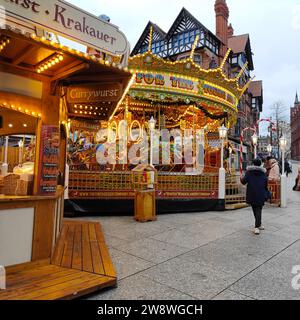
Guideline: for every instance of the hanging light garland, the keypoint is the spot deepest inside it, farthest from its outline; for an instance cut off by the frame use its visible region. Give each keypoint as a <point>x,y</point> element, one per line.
<point>50,63</point>
<point>3,43</point>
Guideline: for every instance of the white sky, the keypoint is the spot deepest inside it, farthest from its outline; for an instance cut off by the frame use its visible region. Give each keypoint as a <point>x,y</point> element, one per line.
<point>274,28</point>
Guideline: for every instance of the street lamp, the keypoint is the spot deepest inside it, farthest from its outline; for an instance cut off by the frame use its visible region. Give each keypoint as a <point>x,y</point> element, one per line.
<point>269,149</point>
<point>283,145</point>
<point>255,142</point>
<point>230,155</point>
<point>151,124</point>
<point>222,173</point>
<point>222,134</point>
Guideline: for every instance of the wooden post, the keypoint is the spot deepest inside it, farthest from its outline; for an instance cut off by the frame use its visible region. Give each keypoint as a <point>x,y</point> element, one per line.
<point>50,116</point>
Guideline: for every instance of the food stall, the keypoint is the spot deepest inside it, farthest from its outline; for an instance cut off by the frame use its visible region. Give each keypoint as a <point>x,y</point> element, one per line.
<point>37,72</point>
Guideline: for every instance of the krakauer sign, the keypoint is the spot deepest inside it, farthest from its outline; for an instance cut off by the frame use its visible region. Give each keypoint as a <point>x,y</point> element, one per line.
<point>65,19</point>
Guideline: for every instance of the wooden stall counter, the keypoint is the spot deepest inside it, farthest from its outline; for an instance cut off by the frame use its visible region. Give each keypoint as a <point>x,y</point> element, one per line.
<point>29,227</point>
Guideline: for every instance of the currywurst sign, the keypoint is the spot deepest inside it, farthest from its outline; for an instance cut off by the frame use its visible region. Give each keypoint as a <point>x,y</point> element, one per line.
<point>94,93</point>
<point>67,20</point>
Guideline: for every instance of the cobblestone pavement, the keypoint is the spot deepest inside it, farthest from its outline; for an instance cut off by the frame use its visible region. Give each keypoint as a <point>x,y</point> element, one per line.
<point>211,255</point>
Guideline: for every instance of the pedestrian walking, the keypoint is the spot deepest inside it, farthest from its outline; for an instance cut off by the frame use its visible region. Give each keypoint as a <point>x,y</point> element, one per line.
<point>257,191</point>
<point>274,171</point>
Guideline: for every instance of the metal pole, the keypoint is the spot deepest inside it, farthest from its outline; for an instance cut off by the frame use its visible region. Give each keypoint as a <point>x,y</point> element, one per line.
<point>222,175</point>
<point>151,147</point>
<point>283,184</point>
<point>222,154</point>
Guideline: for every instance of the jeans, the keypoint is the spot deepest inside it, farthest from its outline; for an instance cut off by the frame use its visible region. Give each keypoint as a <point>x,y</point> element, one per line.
<point>257,210</point>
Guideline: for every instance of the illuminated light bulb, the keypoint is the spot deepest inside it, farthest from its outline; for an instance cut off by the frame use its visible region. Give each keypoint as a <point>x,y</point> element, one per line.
<point>26,111</point>
<point>53,62</point>
<point>24,125</point>
<point>39,115</point>
<point>80,107</point>
<point>43,38</point>
<point>45,67</point>
<point>61,58</point>
<point>80,112</point>
<point>38,70</point>
<point>42,68</point>
<point>49,64</point>
<point>56,60</point>
<point>76,111</point>
<point>10,125</point>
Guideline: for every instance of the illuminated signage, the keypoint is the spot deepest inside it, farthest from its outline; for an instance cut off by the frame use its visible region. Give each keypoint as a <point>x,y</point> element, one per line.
<point>65,19</point>
<point>94,93</point>
<point>193,87</point>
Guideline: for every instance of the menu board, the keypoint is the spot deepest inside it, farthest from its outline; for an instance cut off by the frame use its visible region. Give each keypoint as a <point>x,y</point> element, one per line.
<point>49,160</point>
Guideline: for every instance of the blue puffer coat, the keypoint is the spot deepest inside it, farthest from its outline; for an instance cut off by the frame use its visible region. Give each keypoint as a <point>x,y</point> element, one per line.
<point>257,185</point>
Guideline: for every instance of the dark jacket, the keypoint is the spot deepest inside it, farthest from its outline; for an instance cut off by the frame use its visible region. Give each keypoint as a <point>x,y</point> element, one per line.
<point>257,185</point>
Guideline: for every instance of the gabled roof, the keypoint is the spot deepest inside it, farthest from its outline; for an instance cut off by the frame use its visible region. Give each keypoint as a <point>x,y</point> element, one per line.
<point>240,44</point>
<point>256,88</point>
<point>158,34</point>
<point>186,21</point>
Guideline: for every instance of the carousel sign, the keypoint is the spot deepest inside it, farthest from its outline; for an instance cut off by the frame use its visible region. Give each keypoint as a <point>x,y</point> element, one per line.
<point>65,19</point>
<point>94,93</point>
<point>190,86</point>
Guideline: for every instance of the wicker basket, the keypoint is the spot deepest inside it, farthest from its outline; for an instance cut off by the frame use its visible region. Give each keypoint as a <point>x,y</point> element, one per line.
<point>24,188</point>
<point>10,184</point>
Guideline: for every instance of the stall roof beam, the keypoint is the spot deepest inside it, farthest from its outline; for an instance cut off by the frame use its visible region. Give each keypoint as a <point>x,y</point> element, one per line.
<point>24,54</point>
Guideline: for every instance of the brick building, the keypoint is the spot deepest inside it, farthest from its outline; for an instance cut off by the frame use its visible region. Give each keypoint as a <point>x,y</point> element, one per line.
<point>295,129</point>
<point>176,44</point>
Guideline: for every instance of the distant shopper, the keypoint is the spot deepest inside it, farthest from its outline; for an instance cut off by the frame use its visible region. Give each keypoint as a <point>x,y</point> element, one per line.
<point>257,191</point>
<point>287,168</point>
<point>274,170</point>
<point>297,184</point>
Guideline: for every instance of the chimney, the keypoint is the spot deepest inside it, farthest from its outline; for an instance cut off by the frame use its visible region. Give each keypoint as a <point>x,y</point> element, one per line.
<point>230,31</point>
<point>222,15</point>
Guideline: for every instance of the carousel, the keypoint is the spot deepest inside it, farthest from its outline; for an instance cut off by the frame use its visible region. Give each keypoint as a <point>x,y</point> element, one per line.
<point>179,98</point>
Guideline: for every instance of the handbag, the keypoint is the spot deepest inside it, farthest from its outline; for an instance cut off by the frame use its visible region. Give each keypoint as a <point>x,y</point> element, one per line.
<point>268,195</point>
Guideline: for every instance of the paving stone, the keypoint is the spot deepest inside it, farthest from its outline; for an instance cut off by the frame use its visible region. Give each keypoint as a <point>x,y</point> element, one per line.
<point>140,288</point>
<point>231,295</point>
<point>153,250</point>
<point>127,264</point>
<point>191,278</point>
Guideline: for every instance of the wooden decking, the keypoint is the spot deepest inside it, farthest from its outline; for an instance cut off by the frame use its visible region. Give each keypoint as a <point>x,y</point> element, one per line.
<point>80,265</point>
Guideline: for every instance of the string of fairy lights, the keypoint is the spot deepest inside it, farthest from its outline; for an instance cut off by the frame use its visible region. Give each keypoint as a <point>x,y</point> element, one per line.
<point>3,43</point>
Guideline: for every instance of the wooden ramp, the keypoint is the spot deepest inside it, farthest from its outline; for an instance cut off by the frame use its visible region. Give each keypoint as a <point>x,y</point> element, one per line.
<point>80,265</point>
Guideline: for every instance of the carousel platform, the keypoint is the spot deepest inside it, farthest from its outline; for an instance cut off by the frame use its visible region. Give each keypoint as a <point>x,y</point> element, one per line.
<point>80,265</point>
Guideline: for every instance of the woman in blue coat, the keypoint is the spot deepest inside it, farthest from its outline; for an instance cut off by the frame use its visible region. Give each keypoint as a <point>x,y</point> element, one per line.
<point>257,191</point>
